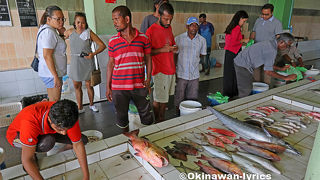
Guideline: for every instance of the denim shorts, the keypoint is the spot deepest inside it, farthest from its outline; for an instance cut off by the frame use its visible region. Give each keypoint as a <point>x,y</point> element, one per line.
<point>49,81</point>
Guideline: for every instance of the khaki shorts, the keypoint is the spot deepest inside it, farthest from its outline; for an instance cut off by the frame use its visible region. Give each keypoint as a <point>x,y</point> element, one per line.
<point>164,85</point>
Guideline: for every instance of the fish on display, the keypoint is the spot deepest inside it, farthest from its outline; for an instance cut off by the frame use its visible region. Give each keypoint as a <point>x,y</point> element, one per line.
<point>222,131</point>
<point>193,143</point>
<point>280,128</point>
<point>250,132</point>
<point>148,151</point>
<point>263,162</point>
<point>256,113</point>
<point>207,169</point>
<point>250,166</point>
<point>258,151</point>
<point>276,133</point>
<point>222,138</point>
<point>213,140</point>
<point>187,148</point>
<point>313,115</point>
<point>176,153</point>
<point>265,145</point>
<point>217,153</point>
<point>223,165</point>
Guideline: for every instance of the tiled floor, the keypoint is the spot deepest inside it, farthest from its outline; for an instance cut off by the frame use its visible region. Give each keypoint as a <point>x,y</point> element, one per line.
<point>104,120</point>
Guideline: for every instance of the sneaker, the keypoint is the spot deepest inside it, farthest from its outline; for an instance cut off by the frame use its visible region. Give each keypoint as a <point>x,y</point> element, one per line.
<point>81,110</point>
<point>94,108</point>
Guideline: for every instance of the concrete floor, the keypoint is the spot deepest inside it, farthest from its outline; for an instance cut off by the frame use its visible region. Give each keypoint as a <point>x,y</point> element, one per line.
<point>104,120</point>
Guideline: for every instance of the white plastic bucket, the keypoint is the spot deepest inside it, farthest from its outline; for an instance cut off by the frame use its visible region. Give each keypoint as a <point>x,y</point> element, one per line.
<point>188,107</point>
<point>2,155</point>
<point>258,87</point>
<point>311,72</point>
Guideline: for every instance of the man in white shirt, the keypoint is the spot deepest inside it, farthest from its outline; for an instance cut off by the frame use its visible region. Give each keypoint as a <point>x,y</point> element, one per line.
<point>191,47</point>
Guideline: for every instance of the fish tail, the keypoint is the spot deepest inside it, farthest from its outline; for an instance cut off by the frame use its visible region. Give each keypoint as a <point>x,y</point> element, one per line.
<point>203,157</point>
<point>235,142</point>
<point>173,142</point>
<point>199,163</point>
<point>132,133</point>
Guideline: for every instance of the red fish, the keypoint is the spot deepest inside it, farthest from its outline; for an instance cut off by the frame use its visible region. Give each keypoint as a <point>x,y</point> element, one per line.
<point>222,138</point>
<point>148,151</point>
<point>265,109</point>
<point>223,165</point>
<point>223,132</point>
<point>213,140</point>
<point>258,151</point>
<point>265,145</point>
<point>207,169</point>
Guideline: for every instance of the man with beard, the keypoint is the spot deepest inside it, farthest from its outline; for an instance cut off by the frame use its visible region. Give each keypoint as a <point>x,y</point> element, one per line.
<point>191,47</point>
<point>163,66</point>
<point>129,52</point>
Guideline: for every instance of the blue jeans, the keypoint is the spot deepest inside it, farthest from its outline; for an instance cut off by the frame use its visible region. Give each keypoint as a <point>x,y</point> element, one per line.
<point>206,59</point>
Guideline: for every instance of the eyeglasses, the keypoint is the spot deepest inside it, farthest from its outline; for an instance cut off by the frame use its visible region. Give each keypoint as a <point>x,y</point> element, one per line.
<point>59,19</point>
<point>265,14</point>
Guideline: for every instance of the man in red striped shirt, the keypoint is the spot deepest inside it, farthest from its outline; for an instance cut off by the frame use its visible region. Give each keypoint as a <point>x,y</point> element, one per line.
<point>129,53</point>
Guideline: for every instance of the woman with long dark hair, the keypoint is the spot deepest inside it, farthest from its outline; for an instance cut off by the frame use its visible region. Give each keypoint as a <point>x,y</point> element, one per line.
<point>233,46</point>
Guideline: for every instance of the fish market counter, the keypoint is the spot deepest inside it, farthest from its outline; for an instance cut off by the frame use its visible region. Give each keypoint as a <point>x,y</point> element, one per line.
<point>281,115</point>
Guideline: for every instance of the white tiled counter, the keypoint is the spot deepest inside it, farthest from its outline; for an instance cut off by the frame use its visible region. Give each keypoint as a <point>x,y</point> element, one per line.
<point>106,160</point>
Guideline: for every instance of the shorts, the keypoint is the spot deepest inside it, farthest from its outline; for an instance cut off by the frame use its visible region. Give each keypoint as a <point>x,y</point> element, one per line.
<point>164,86</point>
<point>49,81</point>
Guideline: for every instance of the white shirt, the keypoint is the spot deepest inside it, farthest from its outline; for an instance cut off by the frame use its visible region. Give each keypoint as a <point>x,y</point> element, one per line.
<point>50,39</point>
<point>189,55</point>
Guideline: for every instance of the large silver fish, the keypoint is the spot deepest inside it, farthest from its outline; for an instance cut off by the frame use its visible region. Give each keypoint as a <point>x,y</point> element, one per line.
<point>250,132</point>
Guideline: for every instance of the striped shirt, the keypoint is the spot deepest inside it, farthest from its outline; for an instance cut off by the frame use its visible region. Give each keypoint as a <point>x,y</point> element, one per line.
<point>189,55</point>
<point>128,72</point>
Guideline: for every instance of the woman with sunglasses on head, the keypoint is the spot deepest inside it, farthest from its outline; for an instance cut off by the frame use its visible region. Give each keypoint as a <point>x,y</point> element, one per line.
<point>51,49</point>
<point>82,61</point>
<point>233,46</point>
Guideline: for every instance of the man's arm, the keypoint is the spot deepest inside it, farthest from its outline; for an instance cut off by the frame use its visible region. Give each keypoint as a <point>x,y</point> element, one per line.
<point>165,48</point>
<point>148,62</point>
<point>28,162</point>
<point>276,75</point>
<point>110,67</point>
<point>252,35</point>
<point>80,151</point>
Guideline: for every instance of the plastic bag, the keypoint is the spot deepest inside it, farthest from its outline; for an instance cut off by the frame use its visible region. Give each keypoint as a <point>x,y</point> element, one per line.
<point>296,70</point>
<point>250,43</point>
<point>217,98</point>
<point>133,109</point>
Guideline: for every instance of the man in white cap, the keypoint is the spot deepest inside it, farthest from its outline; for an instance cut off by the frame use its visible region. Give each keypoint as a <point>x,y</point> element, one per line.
<point>191,47</point>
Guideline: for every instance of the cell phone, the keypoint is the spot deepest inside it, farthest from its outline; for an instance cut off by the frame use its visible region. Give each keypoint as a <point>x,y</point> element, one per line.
<point>83,54</point>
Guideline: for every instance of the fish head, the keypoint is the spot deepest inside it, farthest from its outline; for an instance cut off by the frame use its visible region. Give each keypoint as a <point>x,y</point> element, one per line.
<point>159,161</point>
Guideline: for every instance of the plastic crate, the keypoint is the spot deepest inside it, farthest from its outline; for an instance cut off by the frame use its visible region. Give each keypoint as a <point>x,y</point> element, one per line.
<point>8,112</point>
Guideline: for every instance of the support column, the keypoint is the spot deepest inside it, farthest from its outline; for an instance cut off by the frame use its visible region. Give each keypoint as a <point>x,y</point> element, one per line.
<point>283,11</point>
<point>99,15</point>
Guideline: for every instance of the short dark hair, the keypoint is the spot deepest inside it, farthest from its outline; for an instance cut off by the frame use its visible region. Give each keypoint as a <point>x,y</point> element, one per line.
<point>123,11</point>
<point>202,15</point>
<point>48,13</point>
<point>268,6</point>
<point>166,7</point>
<point>155,2</point>
<point>80,14</point>
<point>64,113</point>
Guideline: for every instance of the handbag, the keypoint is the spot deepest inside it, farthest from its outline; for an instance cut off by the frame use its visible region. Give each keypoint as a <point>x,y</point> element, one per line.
<point>35,62</point>
<point>96,75</point>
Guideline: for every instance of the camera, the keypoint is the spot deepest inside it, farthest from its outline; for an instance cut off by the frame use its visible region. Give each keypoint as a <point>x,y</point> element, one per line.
<point>83,54</point>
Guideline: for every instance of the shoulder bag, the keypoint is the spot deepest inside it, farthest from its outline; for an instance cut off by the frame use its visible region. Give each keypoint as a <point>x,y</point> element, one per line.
<point>35,62</point>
